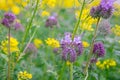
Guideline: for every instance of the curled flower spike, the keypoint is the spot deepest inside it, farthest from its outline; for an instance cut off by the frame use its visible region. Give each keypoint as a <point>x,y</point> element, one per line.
<point>104,10</point>
<point>8,19</point>
<point>99,49</point>
<point>71,48</point>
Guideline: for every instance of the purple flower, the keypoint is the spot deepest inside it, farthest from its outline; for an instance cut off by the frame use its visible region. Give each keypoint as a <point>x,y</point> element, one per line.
<point>8,19</point>
<point>31,48</point>
<point>99,49</point>
<point>104,27</point>
<point>71,48</point>
<point>51,21</point>
<point>104,10</point>
<point>18,26</point>
<point>93,60</point>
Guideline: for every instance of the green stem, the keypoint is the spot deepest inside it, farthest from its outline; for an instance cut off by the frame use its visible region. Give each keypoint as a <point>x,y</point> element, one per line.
<point>23,53</point>
<point>71,71</point>
<point>91,50</point>
<point>73,35</point>
<point>8,73</point>
<point>78,22</point>
<point>30,23</point>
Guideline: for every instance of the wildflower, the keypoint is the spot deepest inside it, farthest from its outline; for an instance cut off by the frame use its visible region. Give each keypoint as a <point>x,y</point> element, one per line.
<point>46,3</point>
<point>68,63</point>
<point>71,48</point>
<point>13,45</point>
<point>99,49</point>
<point>51,21</point>
<point>31,48</point>
<point>85,44</point>
<point>106,64</point>
<point>8,19</point>
<point>15,10</point>
<point>87,21</point>
<point>104,27</point>
<point>117,9</point>
<point>24,75</point>
<point>69,3</point>
<point>18,26</point>
<point>104,9</point>
<point>52,42</point>
<point>45,13</point>
<point>13,5</point>
<point>37,42</point>
<point>116,30</point>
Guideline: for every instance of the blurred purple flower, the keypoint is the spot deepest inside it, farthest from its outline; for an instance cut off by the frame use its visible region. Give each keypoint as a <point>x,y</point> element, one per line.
<point>51,21</point>
<point>18,26</point>
<point>71,49</point>
<point>8,19</point>
<point>104,10</point>
<point>99,49</point>
<point>31,48</point>
<point>104,27</point>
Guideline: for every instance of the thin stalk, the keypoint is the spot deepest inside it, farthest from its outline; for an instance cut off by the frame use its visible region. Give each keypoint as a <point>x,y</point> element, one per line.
<point>79,20</point>
<point>23,53</point>
<point>30,23</point>
<point>73,35</point>
<point>91,50</point>
<point>71,71</point>
<point>8,73</point>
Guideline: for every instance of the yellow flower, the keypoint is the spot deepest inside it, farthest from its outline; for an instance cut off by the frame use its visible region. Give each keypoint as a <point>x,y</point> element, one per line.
<point>12,5</point>
<point>52,42</point>
<point>48,3</point>
<point>68,63</point>
<point>86,20</point>
<point>13,45</point>
<point>45,13</point>
<point>106,64</point>
<point>37,42</point>
<point>98,63</point>
<point>16,10</point>
<point>3,5</point>
<point>69,3</point>
<point>116,30</point>
<point>24,4</point>
<point>85,44</point>
<point>24,75</point>
<point>117,9</point>
<point>94,3</point>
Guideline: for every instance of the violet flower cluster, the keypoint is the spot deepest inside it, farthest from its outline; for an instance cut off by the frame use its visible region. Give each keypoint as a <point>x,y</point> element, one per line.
<point>9,21</point>
<point>51,21</point>
<point>104,10</point>
<point>99,49</point>
<point>71,48</point>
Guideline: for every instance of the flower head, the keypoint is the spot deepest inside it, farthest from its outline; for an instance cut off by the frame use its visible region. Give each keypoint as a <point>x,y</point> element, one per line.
<point>51,21</point>
<point>24,75</point>
<point>13,45</point>
<point>71,48</point>
<point>106,64</point>
<point>37,42</point>
<point>8,19</point>
<point>104,9</point>
<point>116,30</point>
<point>52,42</point>
<point>99,49</point>
<point>104,27</point>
